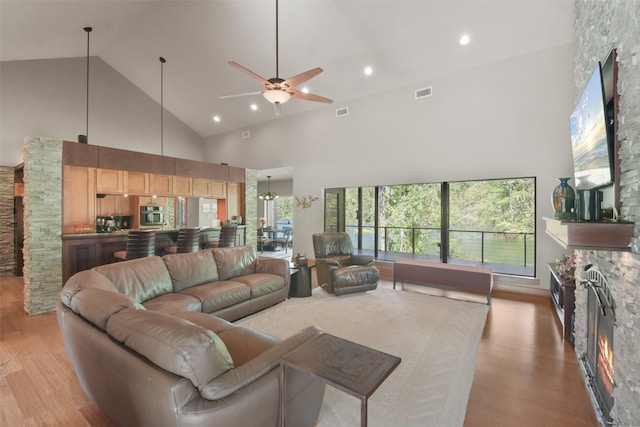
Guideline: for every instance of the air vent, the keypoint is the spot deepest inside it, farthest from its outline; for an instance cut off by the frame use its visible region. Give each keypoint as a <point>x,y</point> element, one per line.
<point>424,92</point>
<point>341,112</point>
<point>245,134</point>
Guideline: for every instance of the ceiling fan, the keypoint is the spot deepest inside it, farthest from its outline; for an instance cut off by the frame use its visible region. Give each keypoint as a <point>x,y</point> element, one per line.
<point>278,90</point>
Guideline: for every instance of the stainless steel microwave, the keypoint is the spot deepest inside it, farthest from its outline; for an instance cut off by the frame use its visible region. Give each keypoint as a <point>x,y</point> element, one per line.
<point>152,215</point>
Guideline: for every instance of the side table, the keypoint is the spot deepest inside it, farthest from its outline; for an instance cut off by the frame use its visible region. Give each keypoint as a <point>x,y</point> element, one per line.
<point>353,368</point>
<point>300,280</point>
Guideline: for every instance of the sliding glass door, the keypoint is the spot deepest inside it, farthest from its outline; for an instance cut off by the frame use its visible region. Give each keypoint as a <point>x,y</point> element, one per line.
<point>490,222</point>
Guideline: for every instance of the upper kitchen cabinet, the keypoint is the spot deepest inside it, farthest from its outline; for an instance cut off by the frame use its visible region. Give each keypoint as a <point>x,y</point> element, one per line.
<point>182,186</point>
<point>109,181</point>
<point>136,183</point>
<point>201,187</point>
<point>160,185</point>
<point>218,190</point>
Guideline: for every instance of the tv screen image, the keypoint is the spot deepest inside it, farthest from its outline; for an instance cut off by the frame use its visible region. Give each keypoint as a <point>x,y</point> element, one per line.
<point>592,160</point>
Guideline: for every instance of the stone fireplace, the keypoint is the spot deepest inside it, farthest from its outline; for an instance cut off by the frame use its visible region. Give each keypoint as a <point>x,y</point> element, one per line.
<point>599,27</point>
<point>621,271</point>
<point>597,360</point>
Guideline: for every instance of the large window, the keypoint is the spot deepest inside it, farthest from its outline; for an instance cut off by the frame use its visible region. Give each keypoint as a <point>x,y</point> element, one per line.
<point>490,222</point>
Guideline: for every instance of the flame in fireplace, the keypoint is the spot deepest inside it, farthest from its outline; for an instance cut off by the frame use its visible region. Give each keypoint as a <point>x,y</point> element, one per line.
<point>605,363</point>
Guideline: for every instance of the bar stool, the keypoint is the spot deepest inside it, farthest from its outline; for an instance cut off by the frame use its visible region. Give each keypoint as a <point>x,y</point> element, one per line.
<point>140,244</point>
<point>188,241</point>
<point>227,237</point>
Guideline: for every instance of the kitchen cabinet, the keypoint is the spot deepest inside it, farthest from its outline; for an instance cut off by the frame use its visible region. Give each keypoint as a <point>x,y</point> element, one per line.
<point>114,204</point>
<point>218,190</point>
<point>202,187</point>
<point>136,183</point>
<point>109,181</point>
<point>182,186</point>
<point>160,185</point>
<point>79,199</point>
<point>234,199</point>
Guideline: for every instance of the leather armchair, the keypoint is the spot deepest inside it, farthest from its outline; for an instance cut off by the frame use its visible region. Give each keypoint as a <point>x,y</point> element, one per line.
<point>339,270</point>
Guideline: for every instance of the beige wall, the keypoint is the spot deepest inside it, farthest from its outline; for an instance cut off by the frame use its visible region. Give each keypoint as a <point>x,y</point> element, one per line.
<point>48,98</point>
<point>504,119</point>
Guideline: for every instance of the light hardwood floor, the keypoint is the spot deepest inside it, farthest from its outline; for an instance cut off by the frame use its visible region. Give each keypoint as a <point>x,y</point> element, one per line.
<point>526,375</point>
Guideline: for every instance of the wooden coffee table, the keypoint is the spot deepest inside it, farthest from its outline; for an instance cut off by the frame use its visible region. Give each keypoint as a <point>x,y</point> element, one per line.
<point>345,365</point>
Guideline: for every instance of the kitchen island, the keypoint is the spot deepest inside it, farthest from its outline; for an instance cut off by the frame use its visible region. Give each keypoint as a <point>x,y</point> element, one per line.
<point>87,250</point>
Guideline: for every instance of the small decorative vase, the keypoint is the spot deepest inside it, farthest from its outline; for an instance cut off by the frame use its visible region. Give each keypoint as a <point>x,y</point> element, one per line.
<point>563,199</point>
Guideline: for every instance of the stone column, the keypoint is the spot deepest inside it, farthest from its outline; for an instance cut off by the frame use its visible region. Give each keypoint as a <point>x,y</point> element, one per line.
<point>251,207</point>
<point>42,224</point>
<point>7,221</point>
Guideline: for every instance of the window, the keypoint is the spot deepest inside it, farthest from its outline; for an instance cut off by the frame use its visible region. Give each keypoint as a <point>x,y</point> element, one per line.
<point>490,222</point>
<point>284,212</point>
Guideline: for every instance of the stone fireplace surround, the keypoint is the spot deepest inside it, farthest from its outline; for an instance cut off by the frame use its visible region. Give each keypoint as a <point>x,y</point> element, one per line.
<point>599,27</point>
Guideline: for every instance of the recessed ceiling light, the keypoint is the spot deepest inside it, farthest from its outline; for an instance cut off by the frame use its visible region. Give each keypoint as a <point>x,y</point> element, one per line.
<point>368,70</point>
<point>216,119</point>
<point>465,39</point>
<point>254,107</point>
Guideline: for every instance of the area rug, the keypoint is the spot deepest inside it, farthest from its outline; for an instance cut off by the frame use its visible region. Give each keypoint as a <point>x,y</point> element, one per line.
<point>437,339</point>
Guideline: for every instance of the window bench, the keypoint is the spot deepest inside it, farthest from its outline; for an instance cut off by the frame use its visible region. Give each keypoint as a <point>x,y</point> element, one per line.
<point>459,277</point>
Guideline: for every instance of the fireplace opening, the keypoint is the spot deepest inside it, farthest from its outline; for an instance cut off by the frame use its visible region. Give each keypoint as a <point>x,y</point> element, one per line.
<point>598,359</point>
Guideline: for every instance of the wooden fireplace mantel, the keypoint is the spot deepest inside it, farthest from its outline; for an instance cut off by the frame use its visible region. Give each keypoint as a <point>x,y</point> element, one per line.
<point>602,235</point>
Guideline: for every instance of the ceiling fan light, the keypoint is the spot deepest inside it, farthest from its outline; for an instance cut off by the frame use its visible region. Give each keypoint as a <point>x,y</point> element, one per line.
<point>276,96</point>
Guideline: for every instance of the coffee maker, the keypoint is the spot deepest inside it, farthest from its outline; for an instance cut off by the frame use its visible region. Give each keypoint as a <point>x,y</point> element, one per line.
<point>104,224</point>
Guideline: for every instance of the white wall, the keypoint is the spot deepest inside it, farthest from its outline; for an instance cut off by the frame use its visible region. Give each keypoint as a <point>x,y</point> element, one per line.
<point>504,119</point>
<point>48,98</point>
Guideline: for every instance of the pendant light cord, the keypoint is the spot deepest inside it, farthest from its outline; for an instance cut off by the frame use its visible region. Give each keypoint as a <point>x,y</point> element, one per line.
<point>162,61</point>
<point>88,30</point>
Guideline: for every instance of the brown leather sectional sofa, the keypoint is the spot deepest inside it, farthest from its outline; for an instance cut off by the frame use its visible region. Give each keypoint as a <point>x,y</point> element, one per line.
<point>152,344</point>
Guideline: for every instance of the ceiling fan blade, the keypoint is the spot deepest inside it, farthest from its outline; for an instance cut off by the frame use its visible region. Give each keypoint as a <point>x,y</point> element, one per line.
<point>309,96</point>
<point>249,72</point>
<point>302,77</point>
<point>240,94</point>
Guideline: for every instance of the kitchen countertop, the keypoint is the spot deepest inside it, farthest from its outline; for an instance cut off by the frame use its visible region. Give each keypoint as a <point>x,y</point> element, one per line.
<point>126,232</point>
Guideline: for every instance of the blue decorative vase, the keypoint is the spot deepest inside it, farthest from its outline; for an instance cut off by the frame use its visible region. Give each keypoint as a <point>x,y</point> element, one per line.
<point>563,199</point>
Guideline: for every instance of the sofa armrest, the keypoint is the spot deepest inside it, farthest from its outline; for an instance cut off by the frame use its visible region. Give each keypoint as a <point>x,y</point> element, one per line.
<point>324,267</point>
<point>361,260</point>
<point>233,380</point>
<point>277,266</point>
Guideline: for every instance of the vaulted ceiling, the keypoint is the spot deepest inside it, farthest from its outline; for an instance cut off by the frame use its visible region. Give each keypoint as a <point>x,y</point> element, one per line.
<point>405,42</point>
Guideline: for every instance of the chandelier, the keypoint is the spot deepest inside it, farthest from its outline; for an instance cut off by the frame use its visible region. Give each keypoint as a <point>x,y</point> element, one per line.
<point>269,195</point>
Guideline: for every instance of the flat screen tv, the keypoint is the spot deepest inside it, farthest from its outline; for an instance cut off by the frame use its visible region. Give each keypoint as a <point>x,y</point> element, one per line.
<point>592,136</point>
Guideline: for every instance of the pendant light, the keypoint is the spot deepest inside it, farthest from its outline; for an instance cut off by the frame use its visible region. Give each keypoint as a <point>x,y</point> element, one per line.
<point>269,195</point>
<point>162,61</point>
<point>85,138</point>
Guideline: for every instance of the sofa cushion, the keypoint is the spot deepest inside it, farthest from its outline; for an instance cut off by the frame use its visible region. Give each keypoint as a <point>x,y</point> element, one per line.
<point>141,279</point>
<point>83,280</point>
<point>191,269</point>
<point>242,343</point>
<point>218,295</point>
<point>261,284</point>
<point>173,303</point>
<point>174,344</point>
<point>235,379</point>
<point>97,305</point>
<point>235,261</point>
<point>213,323</point>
